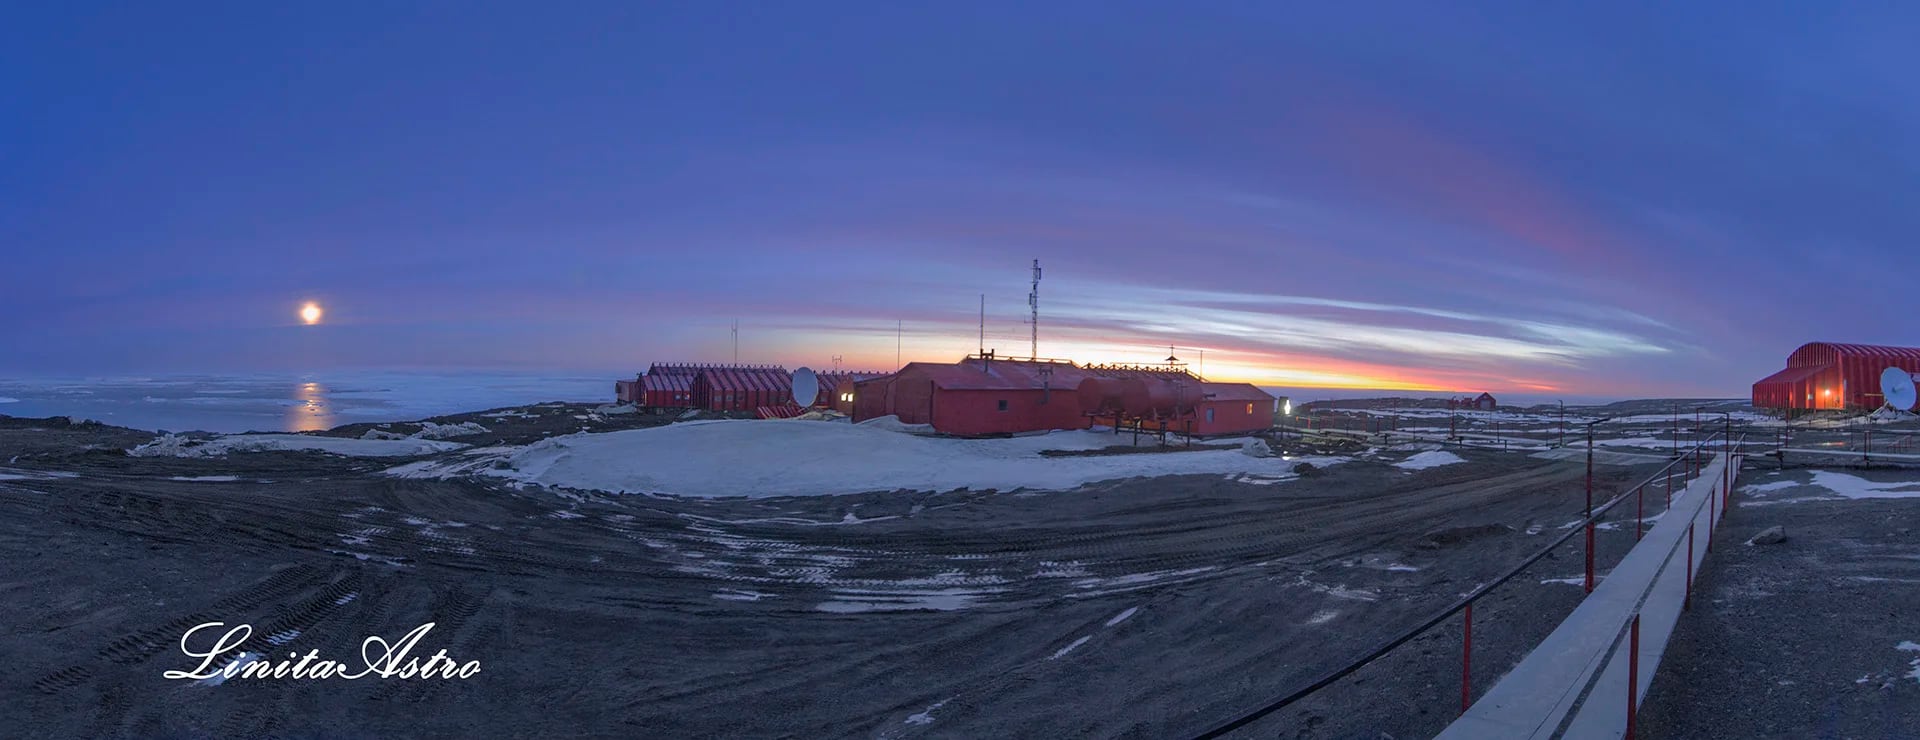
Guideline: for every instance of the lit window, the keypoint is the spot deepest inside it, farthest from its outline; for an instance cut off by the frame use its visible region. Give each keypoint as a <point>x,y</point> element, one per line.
<point>1249,409</point>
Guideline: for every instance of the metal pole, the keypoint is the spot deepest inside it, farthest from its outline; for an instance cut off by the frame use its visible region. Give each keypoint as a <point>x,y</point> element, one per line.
<point>1466,662</point>
<point>1633,675</point>
<point>1639,511</point>
<point>1711,516</point>
<point>1686,600</point>
<point>1589,583</point>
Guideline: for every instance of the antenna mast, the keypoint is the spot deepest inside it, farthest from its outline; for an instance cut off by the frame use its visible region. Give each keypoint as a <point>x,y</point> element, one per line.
<point>1033,301</point>
<point>983,323</point>
<point>736,341</point>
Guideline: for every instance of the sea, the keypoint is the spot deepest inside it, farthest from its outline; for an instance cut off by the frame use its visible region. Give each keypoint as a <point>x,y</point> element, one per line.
<point>289,402</point>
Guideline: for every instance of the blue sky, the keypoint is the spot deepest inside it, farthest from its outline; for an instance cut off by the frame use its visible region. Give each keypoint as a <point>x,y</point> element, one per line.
<point>1618,200</point>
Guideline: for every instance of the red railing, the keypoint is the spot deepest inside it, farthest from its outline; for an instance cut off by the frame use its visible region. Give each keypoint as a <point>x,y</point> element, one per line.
<point>1691,463</point>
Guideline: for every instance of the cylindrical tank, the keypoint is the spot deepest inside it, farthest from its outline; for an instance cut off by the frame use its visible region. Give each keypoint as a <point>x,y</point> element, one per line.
<point>1100,395</point>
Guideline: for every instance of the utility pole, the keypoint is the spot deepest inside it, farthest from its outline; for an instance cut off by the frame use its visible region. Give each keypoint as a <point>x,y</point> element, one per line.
<point>1033,302</point>
<point>897,330</point>
<point>736,341</point>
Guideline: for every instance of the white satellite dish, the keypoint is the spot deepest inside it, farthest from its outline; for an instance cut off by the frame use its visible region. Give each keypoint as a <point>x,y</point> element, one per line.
<point>806,387</point>
<point>1896,386</point>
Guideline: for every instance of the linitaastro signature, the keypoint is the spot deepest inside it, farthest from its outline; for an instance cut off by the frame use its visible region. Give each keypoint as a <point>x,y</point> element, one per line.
<point>382,660</point>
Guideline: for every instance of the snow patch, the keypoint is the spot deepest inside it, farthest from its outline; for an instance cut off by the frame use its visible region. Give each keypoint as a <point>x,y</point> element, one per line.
<point>1123,616</point>
<point>856,601</point>
<point>1432,459</point>
<point>759,458</point>
<point>431,430</point>
<point>925,717</point>
<point>1855,487</point>
<point>1069,648</point>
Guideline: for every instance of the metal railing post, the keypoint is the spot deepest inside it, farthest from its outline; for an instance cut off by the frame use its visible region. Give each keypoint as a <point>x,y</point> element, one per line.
<point>1686,599</point>
<point>1639,511</point>
<point>1633,675</point>
<point>1466,661</point>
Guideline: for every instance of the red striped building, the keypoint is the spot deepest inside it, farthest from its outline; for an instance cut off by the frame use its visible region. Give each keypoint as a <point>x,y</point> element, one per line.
<point>742,387</point>
<point>1826,375</point>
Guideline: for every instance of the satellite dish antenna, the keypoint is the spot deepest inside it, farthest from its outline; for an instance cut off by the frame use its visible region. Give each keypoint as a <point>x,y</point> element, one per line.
<point>806,387</point>
<point>1896,386</point>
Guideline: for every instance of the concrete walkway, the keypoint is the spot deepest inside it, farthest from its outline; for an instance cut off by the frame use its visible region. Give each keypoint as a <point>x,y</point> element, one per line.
<point>1576,681</point>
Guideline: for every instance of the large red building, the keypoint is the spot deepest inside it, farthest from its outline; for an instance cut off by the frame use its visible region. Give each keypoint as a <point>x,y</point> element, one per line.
<point>986,395</point>
<point>1824,375</point>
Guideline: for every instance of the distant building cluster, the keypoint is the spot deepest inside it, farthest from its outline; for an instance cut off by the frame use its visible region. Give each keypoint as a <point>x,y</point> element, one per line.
<point>1482,402</point>
<point>981,395</point>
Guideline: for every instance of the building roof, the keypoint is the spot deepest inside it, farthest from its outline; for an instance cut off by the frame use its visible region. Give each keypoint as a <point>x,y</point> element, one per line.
<point>1818,353</point>
<point>679,376</point>
<point>998,374</point>
<point>1234,392</point>
<point>1177,372</point>
<point>1793,374</point>
<point>771,378</point>
<point>831,382</point>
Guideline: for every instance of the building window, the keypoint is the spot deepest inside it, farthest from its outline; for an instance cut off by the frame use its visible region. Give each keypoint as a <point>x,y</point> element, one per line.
<point>1003,404</point>
<point>1249,409</point>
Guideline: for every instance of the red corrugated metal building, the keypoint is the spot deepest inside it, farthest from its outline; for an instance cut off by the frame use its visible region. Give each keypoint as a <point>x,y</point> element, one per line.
<point>977,396</point>
<point>836,389</point>
<point>995,396</point>
<point>742,387</point>
<point>668,385</point>
<point>1826,375</point>
<point>1233,408</point>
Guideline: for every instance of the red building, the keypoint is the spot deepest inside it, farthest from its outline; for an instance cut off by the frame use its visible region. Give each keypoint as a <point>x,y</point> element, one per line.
<point>1824,375</point>
<point>836,389</point>
<point>668,385</point>
<point>1233,408</point>
<point>1482,402</point>
<point>979,396</point>
<point>742,387</point>
<point>983,396</point>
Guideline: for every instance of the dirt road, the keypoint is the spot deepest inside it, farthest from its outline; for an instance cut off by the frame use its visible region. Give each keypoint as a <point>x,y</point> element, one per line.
<point>1148,608</point>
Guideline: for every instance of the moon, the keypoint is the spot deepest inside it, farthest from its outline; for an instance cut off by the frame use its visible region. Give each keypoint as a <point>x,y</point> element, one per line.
<point>310,314</point>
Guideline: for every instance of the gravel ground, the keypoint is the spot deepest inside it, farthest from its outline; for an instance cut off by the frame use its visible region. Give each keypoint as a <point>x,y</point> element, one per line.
<point>1133,608</point>
<point>1800,639</point>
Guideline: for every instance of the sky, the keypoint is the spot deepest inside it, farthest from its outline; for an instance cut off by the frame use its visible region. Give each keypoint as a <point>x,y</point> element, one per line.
<point>1610,200</point>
